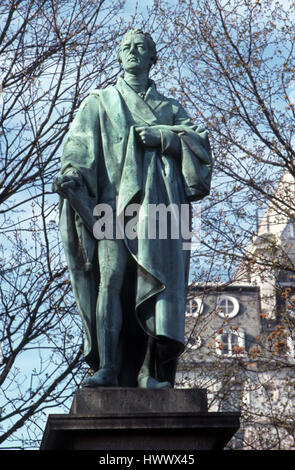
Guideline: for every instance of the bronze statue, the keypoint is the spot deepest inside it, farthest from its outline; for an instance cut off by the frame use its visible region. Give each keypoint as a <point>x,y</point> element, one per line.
<point>129,144</point>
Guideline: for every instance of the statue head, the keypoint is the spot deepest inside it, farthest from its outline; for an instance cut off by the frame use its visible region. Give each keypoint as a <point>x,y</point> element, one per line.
<point>137,51</point>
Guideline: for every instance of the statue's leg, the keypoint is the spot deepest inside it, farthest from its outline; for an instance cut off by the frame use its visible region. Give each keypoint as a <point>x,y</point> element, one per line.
<point>166,354</point>
<point>146,377</point>
<point>113,256</point>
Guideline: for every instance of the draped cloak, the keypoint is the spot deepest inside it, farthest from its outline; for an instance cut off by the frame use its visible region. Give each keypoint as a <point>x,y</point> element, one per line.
<point>102,150</point>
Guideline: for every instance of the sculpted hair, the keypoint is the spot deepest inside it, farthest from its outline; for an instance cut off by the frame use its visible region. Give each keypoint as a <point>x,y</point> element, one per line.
<point>149,39</point>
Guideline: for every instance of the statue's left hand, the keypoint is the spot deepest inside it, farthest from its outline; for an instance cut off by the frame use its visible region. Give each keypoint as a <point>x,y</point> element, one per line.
<point>148,136</point>
<point>64,182</point>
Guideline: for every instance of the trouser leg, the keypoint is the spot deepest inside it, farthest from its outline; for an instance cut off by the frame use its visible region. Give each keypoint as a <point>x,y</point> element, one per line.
<point>159,366</point>
<point>113,256</point>
<point>148,367</point>
<point>166,354</point>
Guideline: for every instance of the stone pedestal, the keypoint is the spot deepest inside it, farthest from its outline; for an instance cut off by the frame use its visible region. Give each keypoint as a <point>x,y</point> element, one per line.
<point>139,419</point>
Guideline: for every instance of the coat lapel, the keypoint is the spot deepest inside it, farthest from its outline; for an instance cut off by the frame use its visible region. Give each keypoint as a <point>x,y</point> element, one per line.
<point>160,106</point>
<point>152,97</point>
<point>139,108</point>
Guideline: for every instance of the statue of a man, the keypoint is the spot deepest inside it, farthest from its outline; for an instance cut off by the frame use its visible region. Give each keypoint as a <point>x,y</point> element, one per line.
<point>130,144</point>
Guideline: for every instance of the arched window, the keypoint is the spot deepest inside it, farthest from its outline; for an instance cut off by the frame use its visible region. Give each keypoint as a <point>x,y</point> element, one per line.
<point>193,342</point>
<point>227,306</point>
<point>195,307</point>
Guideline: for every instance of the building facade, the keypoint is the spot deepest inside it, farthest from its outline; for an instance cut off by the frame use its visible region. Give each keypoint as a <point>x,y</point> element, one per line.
<point>240,338</point>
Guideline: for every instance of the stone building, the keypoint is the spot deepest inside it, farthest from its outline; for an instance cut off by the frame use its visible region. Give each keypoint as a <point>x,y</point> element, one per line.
<point>240,335</point>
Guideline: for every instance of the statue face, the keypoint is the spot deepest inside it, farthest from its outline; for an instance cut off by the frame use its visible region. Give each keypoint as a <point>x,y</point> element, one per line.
<point>135,54</point>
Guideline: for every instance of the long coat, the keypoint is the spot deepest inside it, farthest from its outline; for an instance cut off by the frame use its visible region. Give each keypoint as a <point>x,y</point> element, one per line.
<point>102,149</point>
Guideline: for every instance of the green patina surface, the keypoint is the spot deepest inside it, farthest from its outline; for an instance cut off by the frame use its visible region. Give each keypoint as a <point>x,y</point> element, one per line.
<point>129,147</point>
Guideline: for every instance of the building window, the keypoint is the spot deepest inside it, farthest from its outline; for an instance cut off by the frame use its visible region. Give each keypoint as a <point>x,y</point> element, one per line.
<point>290,347</point>
<point>290,307</point>
<point>289,231</point>
<point>231,343</point>
<point>227,306</point>
<point>193,342</point>
<point>195,307</point>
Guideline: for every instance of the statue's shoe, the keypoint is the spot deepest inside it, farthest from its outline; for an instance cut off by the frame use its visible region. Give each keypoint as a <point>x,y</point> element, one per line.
<point>149,382</point>
<point>101,378</point>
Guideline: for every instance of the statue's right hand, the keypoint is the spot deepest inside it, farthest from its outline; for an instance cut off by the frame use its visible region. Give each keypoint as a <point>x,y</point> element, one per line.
<point>62,183</point>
